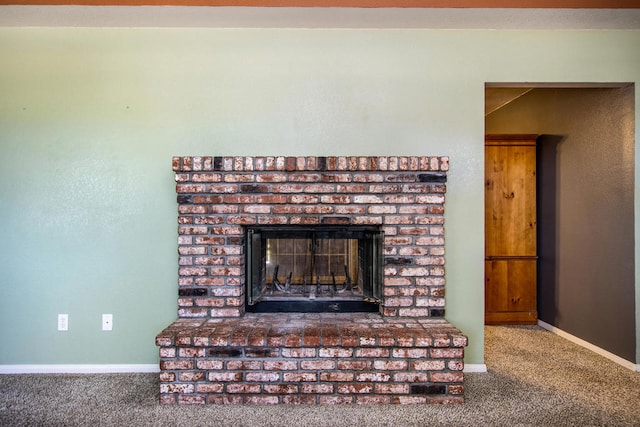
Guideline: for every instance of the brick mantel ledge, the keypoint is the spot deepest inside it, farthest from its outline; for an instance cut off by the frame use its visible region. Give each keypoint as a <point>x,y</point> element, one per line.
<point>311,359</point>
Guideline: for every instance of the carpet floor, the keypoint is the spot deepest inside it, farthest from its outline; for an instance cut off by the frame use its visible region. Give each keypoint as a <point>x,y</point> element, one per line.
<point>534,378</point>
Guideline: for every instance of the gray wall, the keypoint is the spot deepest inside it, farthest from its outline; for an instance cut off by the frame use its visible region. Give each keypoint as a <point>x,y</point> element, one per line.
<point>585,208</point>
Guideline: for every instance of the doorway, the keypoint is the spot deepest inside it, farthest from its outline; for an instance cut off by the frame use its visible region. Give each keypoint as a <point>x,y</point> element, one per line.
<point>585,208</point>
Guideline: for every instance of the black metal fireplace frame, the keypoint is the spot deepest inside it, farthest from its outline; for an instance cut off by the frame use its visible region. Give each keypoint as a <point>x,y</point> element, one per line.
<point>372,254</point>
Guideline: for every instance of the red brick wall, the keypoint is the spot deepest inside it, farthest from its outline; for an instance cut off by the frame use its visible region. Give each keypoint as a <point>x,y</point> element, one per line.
<point>218,196</point>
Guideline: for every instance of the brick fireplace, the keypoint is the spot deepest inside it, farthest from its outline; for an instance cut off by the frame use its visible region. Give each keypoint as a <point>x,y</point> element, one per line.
<point>220,352</point>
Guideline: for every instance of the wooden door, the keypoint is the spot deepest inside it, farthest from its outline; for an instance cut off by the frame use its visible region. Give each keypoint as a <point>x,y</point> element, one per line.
<point>510,229</point>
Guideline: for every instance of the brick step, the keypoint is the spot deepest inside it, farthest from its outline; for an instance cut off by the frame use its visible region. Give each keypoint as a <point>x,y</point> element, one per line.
<point>311,358</point>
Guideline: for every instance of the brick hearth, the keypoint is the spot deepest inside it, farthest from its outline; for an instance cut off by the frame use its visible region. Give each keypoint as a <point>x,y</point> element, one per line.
<point>311,358</point>
<point>217,353</point>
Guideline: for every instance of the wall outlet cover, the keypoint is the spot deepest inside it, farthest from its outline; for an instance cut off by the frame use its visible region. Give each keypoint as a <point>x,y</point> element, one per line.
<point>107,322</point>
<point>63,322</point>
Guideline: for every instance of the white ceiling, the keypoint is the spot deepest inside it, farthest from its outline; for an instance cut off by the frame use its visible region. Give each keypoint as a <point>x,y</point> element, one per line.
<point>283,17</point>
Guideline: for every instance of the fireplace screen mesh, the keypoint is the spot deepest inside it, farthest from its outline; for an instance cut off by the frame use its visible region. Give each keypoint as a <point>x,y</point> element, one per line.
<point>313,269</point>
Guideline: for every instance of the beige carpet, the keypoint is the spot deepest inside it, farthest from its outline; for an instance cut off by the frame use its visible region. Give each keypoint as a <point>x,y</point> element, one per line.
<point>535,379</point>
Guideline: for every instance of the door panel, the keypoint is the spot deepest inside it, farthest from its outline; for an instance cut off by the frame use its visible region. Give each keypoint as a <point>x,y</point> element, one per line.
<point>510,229</point>
<point>510,195</point>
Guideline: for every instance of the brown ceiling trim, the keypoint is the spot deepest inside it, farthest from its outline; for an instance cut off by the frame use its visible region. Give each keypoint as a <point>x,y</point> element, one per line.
<point>508,4</point>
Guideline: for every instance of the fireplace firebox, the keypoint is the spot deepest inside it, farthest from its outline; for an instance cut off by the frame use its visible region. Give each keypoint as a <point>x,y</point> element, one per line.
<point>314,269</point>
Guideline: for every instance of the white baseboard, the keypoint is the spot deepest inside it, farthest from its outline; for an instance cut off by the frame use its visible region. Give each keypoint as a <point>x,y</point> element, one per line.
<point>475,367</point>
<point>602,352</point>
<point>77,369</point>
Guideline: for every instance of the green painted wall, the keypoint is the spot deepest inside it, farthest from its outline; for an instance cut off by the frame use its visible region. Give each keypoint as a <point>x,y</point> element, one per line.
<point>89,120</point>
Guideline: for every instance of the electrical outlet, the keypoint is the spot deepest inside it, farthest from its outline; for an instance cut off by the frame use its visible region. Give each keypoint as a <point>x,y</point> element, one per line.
<point>63,322</point>
<point>107,322</point>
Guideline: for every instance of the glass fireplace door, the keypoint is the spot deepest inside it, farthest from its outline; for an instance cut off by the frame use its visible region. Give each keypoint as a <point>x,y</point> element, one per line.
<point>313,269</point>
